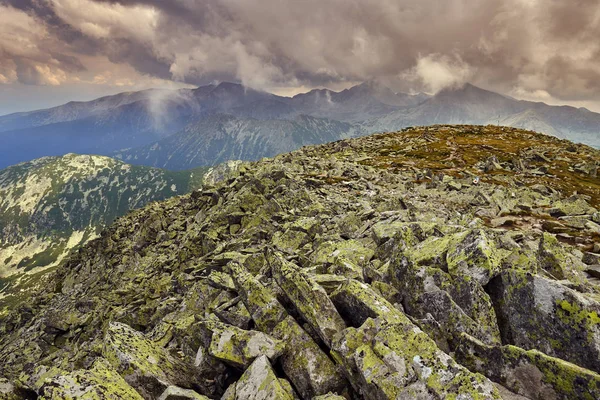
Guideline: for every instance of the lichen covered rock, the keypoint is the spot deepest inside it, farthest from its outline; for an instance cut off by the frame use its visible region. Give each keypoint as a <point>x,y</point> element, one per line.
<point>240,347</point>
<point>177,393</point>
<point>309,369</point>
<point>538,313</point>
<point>259,382</point>
<point>529,373</point>
<point>99,382</point>
<point>395,360</point>
<point>309,298</point>
<point>146,366</point>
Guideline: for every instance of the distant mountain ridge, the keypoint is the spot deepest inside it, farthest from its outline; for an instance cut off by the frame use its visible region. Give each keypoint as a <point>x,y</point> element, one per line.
<point>136,120</point>
<point>218,138</point>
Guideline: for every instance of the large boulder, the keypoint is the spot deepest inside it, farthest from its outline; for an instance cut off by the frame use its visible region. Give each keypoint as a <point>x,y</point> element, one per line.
<point>306,365</point>
<point>264,308</point>
<point>239,347</point>
<point>387,357</point>
<point>558,261</point>
<point>530,373</point>
<point>145,365</point>
<point>397,360</point>
<point>539,313</point>
<point>356,301</point>
<point>458,303</point>
<point>259,382</point>
<point>473,254</point>
<point>101,381</point>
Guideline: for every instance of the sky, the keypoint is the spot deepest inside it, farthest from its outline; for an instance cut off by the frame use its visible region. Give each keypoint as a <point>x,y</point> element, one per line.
<point>54,51</point>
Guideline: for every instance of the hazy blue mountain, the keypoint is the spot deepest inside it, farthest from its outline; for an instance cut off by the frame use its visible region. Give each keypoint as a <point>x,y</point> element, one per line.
<point>73,110</point>
<point>124,121</point>
<point>358,103</point>
<point>472,105</point>
<point>219,138</point>
<point>138,121</point>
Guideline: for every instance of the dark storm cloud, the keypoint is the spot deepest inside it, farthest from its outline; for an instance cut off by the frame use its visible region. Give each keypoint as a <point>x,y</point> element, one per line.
<point>531,48</point>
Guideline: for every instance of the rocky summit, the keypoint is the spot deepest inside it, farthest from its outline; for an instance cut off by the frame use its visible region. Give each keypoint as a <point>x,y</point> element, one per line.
<point>448,262</point>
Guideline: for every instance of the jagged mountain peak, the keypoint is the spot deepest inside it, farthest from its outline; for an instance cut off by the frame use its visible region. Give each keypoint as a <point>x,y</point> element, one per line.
<point>467,91</point>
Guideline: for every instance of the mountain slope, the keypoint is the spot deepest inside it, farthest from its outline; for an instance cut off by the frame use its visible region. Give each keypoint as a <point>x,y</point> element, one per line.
<point>52,205</point>
<point>72,111</point>
<point>219,138</point>
<point>372,268</point>
<point>125,121</point>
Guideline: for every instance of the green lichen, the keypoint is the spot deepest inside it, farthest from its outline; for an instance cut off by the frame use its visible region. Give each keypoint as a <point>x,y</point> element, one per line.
<point>573,315</point>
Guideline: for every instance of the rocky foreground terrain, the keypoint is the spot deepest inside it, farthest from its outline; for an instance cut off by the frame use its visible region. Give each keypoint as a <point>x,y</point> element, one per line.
<point>450,262</point>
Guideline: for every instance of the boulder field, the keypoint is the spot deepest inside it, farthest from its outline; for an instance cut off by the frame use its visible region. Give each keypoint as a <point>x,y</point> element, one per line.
<point>447,262</point>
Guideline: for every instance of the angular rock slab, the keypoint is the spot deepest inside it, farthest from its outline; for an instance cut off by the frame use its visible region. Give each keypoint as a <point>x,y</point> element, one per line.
<point>473,254</point>
<point>147,367</point>
<point>259,382</point>
<point>538,313</point>
<point>353,250</point>
<point>458,303</point>
<point>264,308</point>
<point>309,369</point>
<point>356,301</point>
<point>530,373</point>
<point>239,347</point>
<point>388,357</point>
<point>556,260</point>
<point>99,382</point>
<point>397,360</point>
<point>309,298</point>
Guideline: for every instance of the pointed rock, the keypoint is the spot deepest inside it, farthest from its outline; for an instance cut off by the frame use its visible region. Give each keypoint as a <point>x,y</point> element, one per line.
<point>259,382</point>
<point>264,308</point>
<point>310,370</point>
<point>473,254</point>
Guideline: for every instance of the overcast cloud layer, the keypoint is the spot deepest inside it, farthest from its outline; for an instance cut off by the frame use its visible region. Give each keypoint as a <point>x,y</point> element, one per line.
<point>545,50</point>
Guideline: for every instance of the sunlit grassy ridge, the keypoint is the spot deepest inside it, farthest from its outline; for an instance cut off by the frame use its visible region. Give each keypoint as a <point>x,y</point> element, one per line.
<point>508,157</point>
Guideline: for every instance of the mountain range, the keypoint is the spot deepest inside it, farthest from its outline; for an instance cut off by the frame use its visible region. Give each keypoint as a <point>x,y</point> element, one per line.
<point>199,127</point>
<point>220,137</point>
